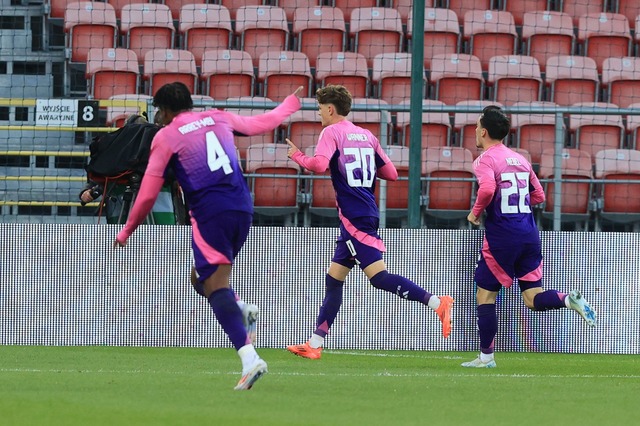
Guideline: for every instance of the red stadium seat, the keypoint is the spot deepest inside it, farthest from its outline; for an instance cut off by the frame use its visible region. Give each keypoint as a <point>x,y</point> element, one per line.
<point>620,202</point>
<point>175,6</point>
<point>89,25</point>
<point>572,79</point>
<point>282,72</point>
<point>461,7</point>
<point>519,8</point>
<point>118,5</point>
<point>261,29</point>
<point>111,72</point>
<point>234,5</point>
<point>621,80</point>
<point>630,9</point>
<point>391,77</point>
<point>547,34</point>
<point>198,100</point>
<point>147,26</point>
<point>348,6</point>
<point>227,73</point>
<point>456,77</point>
<point>576,196</point>
<point>515,78</point>
<point>534,132</point>
<point>441,33</point>
<point>373,119</point>
<point>205,27</point>
<point>464,124</point>
<point>319,30</point>
<point>346,68</point>
<point>272,196</point>
<point>436,126</point>
<point>604,35</point>
<point>375,30</point>
<point>448,199</point>
<point>117,115</point>
<point>258,105</point>
<point>323,196</point>
<point>303,127</point>
<point>490,33</point>
<point>593,133</point>
<point>633,124</point>
<point>291,6</point>
<point>579,8</point>
<point>162,66</point>
<point>404,8</point>
<point>397,201</point>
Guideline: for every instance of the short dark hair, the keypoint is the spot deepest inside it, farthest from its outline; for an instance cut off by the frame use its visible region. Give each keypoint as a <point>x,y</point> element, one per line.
<point>336,95</point>
<point>496,122</point>
<point>174,97</point>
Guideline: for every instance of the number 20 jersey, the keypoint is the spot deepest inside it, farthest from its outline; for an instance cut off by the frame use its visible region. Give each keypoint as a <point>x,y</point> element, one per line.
<point>355,155</point>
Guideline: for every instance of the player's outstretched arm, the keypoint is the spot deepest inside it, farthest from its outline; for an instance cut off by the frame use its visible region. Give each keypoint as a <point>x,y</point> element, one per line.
<point>149,190</point>
<point>257,124</point>
<point>316,164</point>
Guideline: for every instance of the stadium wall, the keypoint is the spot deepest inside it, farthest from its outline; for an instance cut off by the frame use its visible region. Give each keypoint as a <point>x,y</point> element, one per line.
<point>66,285</point>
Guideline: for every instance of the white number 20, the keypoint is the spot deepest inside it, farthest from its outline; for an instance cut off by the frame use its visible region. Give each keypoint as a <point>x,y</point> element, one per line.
<point>364,159</point>
<point>216,157</point>
<point>505,207</point>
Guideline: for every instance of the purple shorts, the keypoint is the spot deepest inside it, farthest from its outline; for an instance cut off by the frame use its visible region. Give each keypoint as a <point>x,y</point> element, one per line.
<point>497,268</point>
<point>218,241</point>
<point>350,252</point>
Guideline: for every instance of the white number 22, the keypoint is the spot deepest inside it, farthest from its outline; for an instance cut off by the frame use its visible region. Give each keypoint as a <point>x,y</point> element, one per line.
<point>364,160</point>
<point>505,207</point>
<point>216,157</point>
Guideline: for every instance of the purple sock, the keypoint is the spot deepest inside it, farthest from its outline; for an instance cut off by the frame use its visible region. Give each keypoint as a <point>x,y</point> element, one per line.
<point>229,316</point>
<point>330,305</point>
<point>549,299</point>
<point>487,327</point>
<point>401,286</point>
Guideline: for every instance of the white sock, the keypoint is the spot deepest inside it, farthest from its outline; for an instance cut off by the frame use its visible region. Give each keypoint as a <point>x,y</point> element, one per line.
<point>566,302</point>
<point>316,341</point>
<point>240,304</point>
<point>486,357</point>
<point>434,302</point>
<point>248,356</point>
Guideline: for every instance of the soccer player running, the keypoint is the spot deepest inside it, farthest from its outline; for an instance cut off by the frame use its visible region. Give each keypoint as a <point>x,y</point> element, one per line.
<point>507,188</point>
<point>355,158</point>
<point>200,147</point>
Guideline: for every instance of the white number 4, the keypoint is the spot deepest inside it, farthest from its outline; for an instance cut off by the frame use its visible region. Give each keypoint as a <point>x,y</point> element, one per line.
<point>505,207</point>
<point>216,157</point>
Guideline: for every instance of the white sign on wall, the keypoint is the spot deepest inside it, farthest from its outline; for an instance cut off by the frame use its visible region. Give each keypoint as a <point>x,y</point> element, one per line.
<point>56,112</point>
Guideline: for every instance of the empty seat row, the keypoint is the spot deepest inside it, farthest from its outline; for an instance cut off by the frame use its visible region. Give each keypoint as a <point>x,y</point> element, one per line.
<point>315,30</point>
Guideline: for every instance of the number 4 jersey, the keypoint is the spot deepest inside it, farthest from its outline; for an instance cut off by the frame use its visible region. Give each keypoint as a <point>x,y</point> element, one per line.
<point>507,188</point>
<point>201,149</point>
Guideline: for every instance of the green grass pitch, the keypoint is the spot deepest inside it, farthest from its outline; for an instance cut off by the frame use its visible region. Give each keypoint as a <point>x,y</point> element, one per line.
<point>187,386</point>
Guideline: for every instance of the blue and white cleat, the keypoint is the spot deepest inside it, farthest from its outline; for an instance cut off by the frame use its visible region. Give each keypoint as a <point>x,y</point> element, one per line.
<point>581,306</point>
<point>478,363</point>
<point>257,370</point>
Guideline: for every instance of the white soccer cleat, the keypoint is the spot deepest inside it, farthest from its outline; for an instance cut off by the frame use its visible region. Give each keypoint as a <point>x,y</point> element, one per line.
<point>581,306</point>
<point>478,363</point>
<point>257,370</point>
<point>250,315</point>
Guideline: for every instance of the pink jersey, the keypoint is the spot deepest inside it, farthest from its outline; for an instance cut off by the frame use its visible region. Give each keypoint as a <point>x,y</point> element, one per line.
<point>200,147</point>
<point>355,158</point>
<point>508,188</point>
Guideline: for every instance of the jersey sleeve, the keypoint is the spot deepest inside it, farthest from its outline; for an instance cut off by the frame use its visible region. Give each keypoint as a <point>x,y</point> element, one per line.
<point>257,124</point>
<point>324,151</point>
<point>537,196</point>
<point>486,186</point>
<point>385,168</point>
<point>160,155</point>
